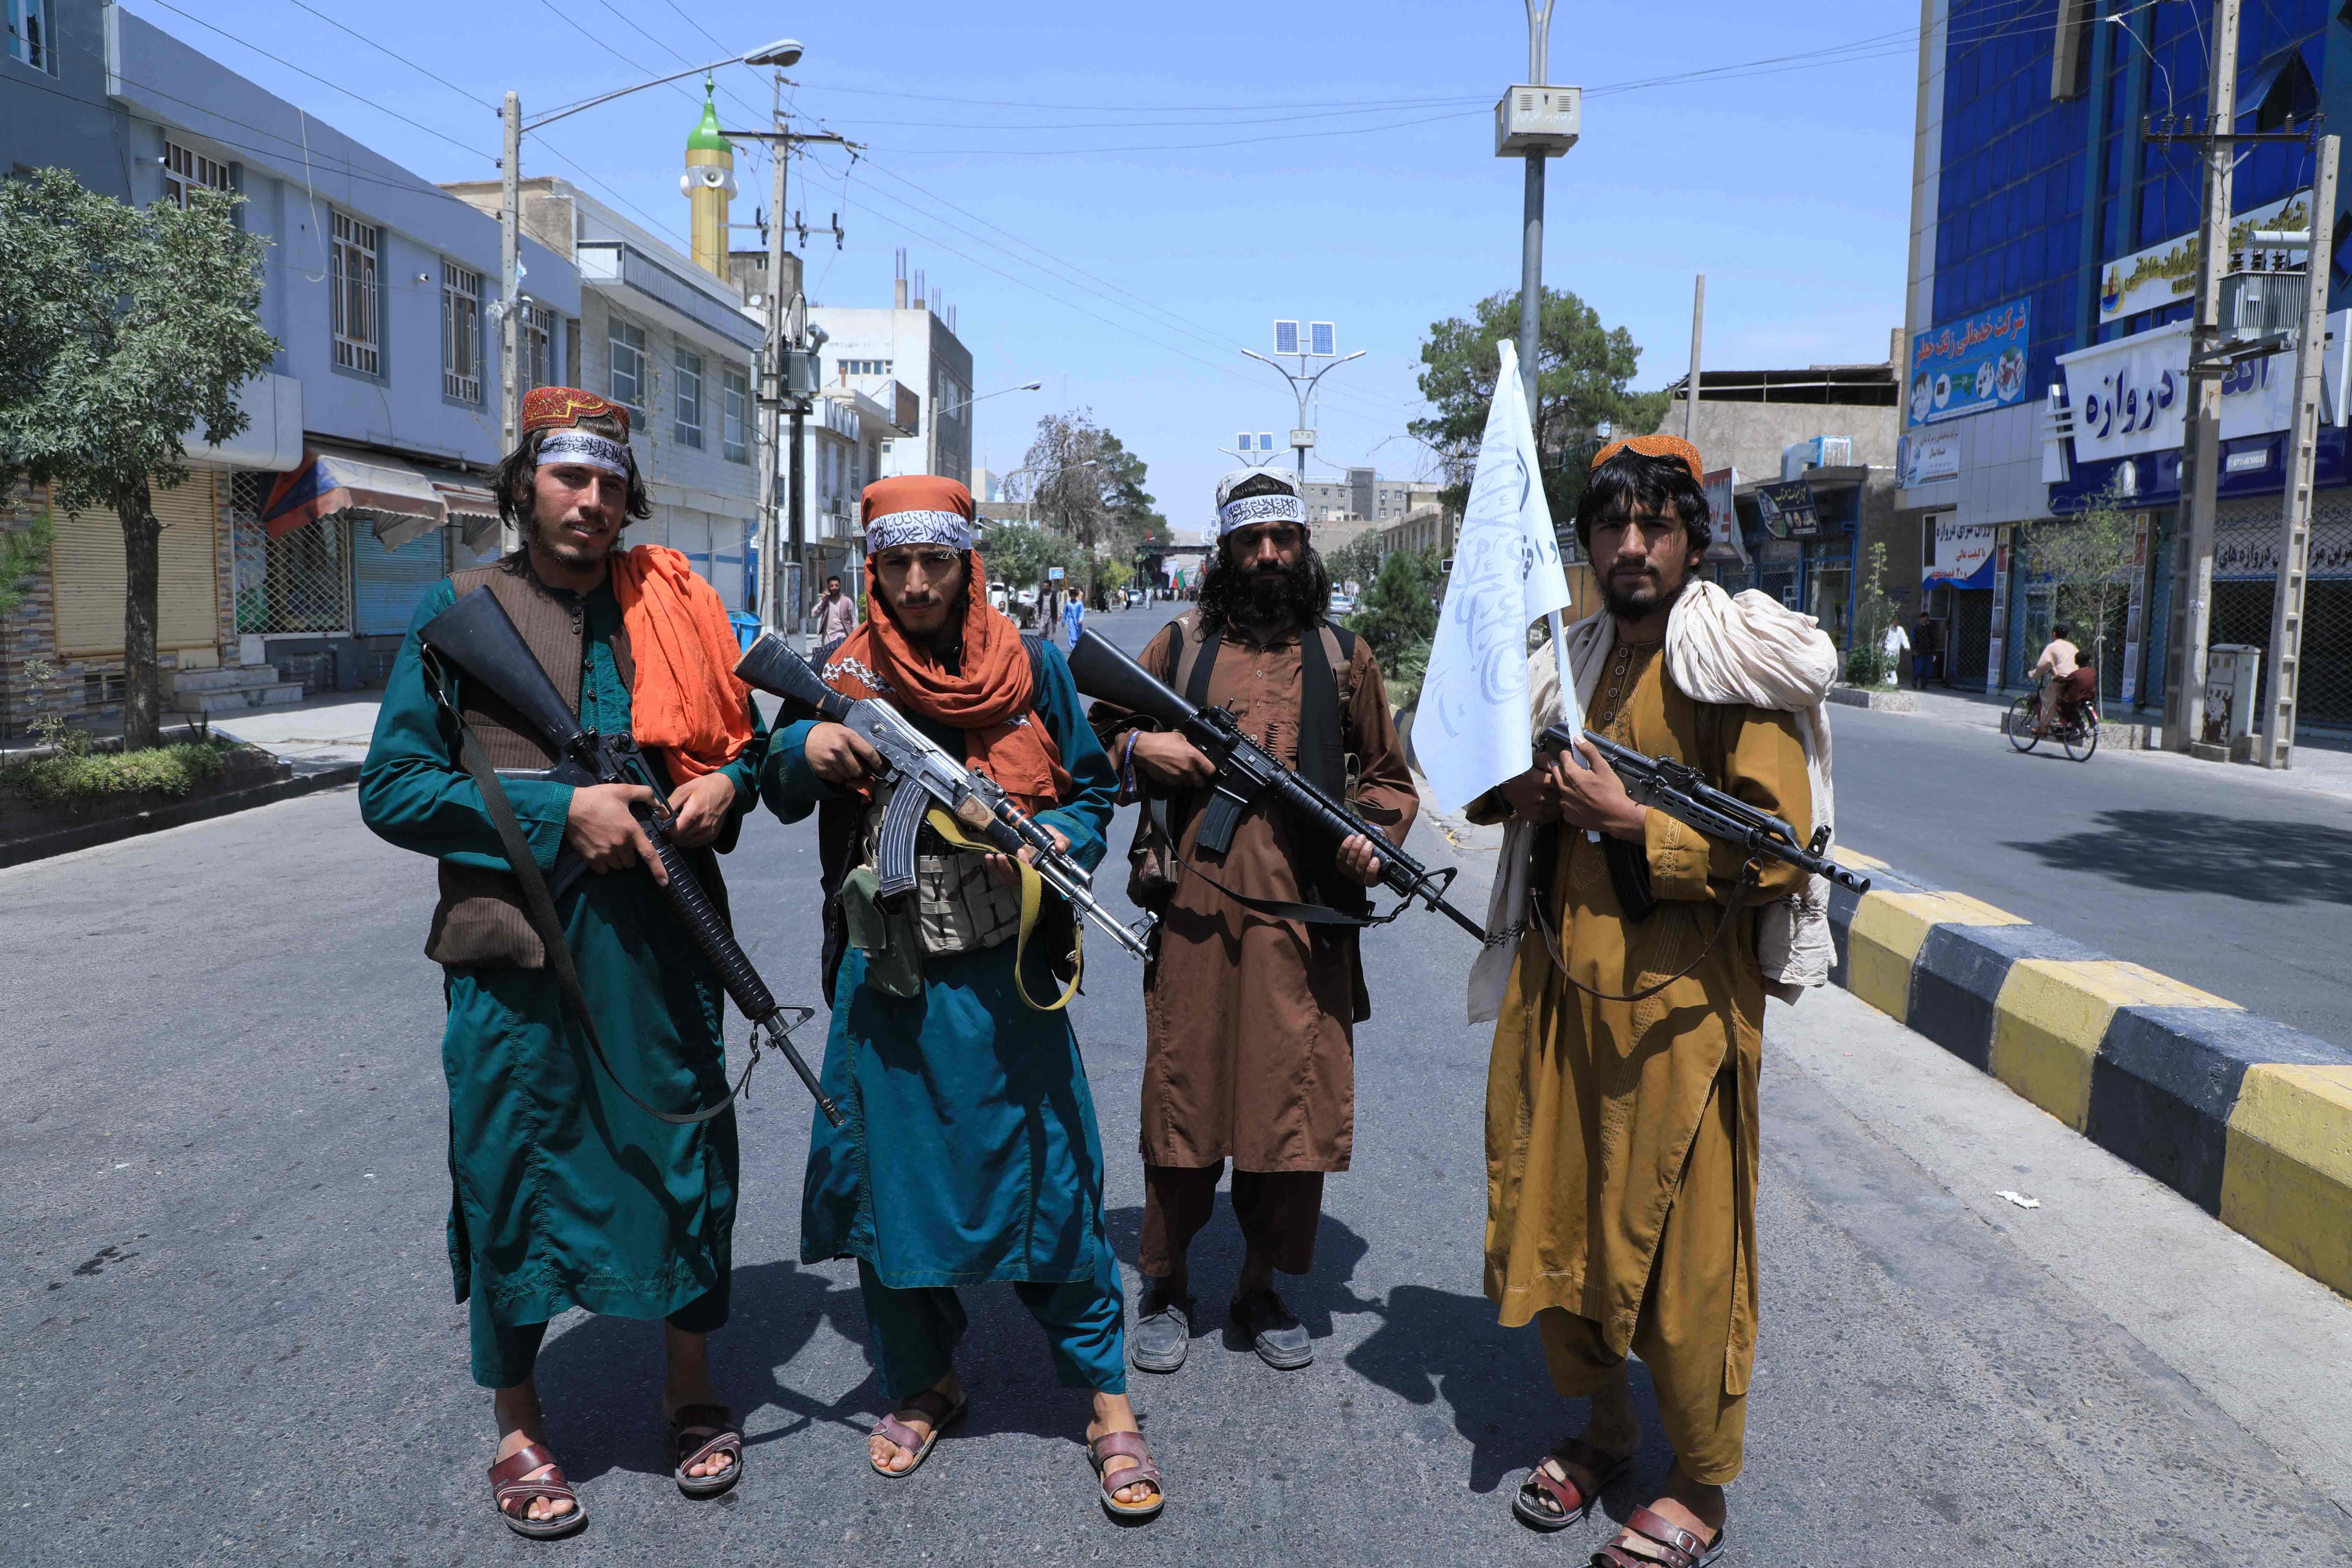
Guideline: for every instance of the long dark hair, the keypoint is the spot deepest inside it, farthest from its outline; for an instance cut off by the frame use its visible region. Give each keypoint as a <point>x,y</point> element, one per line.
<point>1225,591</point>
<point>512,481</point>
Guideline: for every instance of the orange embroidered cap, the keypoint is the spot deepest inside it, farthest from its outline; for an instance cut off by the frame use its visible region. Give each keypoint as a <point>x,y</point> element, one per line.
<point>1660,445</point>
<point>549,407</point>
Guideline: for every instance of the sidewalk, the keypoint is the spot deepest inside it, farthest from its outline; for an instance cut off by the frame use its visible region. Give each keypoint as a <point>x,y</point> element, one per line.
<point>2321,767</point>
<point>324,734</point>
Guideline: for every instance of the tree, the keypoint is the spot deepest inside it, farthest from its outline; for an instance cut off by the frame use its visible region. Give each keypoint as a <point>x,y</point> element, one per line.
<point>1357,562</point>
<point>1581,374</point>
<point>1874,610</point>
<point>2088,561</point>
<point>1019,554</point>
<point>122,328</point>
<point>1087,488</point>
<point>1397,616</point>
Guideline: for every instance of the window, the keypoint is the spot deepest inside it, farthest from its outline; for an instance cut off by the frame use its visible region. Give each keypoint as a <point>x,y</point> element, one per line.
<point>183,168</point>
<point>353,306</point>
<point>688,400</point>
<point>735,416</point>
<point>865,366</point>
<point>461,333</point>
<point>538,324</point>
<point>29,35</point>
<point>627,369</point>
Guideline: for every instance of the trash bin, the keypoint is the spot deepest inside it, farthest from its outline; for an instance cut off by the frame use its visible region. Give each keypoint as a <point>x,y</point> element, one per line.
<point>747,628</point>
<point>2232,672</point>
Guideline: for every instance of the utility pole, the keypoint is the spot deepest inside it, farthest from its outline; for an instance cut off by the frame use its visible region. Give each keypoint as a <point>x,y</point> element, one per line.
<point>2279,688</point>
<point>510,298</point>
<point>784,336</point>
<point>1690,394</point>
<point>1531,218</point>
<point>2201,449</point>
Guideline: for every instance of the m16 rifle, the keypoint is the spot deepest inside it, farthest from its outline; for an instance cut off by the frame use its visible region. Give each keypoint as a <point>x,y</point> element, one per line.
<point>926,775</point>
<point>1675,788</point>
<point>1247,773</point>
<point>475,638</point>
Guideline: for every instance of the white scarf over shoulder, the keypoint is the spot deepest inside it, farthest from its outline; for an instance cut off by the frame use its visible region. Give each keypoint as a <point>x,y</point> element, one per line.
<point>1748,649</point>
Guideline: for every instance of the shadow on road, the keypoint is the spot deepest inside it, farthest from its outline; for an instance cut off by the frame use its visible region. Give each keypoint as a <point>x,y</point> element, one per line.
<point>2184,851</point>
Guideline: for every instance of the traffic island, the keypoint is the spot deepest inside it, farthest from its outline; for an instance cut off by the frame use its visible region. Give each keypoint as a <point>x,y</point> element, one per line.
<point>2247,1118</point>
<point>58,803</point>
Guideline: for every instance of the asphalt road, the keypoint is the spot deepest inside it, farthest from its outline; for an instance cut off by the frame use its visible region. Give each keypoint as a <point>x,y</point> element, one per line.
<point>226,1332</point>
<point>2212,875</point>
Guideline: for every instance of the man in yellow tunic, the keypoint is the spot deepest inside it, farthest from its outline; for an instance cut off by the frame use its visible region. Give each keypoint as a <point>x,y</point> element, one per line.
<point>1620,1096</point>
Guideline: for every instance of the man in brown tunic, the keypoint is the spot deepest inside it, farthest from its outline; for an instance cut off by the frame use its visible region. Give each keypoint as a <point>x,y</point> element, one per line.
<point>1622,1134</point>
<point>1249,1019</point>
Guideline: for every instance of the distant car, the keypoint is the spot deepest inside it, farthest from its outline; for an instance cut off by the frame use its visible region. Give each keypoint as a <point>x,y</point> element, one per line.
<point>1341,604</point>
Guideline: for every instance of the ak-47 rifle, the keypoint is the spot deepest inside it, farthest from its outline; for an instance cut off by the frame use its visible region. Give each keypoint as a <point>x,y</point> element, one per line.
<point>1675,788</point>
<point>1247,773</point>
<point>475,638</point>
<point>927,776</point>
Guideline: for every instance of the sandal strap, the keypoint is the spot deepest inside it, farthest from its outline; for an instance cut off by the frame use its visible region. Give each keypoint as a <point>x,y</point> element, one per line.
<point>728,1443</point>
<point>1677,1547</point>
<point>1127,1444</point>
<point>521,1462</point>
<point>525,1491</point>
<point>1563,1494</point>
<point>890,1429</point>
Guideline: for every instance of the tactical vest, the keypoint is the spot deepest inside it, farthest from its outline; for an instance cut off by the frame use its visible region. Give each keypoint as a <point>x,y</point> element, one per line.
<point>479,921</point>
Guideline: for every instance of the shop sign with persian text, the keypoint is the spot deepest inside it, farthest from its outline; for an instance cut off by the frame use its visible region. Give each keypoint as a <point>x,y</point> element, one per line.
<point>1970,365</point>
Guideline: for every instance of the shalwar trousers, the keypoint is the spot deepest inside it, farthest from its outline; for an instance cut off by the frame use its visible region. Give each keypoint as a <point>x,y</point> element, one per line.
<point>507,1353</point>
<point>912,1334</point>
<point>1278,1211</point>
<point>1684,1331</point>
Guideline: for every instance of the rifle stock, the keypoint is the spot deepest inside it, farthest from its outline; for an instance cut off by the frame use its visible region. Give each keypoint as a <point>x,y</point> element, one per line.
<point>772,664</point>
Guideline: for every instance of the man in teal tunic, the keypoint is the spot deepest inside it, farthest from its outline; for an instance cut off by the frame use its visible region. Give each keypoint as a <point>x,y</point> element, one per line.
<point>565,1193</point>
<point>968,1152</point>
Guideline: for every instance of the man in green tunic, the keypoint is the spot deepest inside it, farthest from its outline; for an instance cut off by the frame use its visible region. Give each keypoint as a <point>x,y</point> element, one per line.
<point>566,1192</point>
<point>968,1150</point>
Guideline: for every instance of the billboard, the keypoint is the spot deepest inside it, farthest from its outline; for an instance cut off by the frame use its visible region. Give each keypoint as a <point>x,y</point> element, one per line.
<point>1726,544</point>
<point>1970,365</point>
<point>2165,274</point>
<point>1928,459</point>
<point>1957,554</point>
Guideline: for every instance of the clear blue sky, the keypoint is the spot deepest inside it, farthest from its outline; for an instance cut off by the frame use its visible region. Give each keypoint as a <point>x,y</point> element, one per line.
<point>1145,188</point>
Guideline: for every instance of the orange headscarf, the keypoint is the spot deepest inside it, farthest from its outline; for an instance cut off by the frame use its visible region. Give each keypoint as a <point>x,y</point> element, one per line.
<point>1659,445</point>
<point>989,696</point>
<point>678,636</point>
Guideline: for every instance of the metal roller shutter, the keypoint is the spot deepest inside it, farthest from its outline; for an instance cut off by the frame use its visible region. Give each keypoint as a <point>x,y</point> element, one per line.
<point>391,584</point>
<point>87,570</point>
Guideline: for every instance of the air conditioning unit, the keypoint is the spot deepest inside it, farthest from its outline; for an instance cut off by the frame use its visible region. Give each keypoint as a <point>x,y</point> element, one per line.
<point>1546,120</point>
<point>1820,452</point>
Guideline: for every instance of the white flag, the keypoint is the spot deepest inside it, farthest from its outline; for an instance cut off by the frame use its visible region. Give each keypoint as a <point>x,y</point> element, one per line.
<point>1472,729</point>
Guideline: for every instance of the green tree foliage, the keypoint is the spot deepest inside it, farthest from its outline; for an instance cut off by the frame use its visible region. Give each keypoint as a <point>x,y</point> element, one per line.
<point>2088,560</point>
<point>1398,614</point>
<point>1874,610</point>
<point>122,330</point>
<point>23,550</point>
<point>1086,487</point>
<point>1357,562</point>
<point>1018,554</point>
<point>1582,368</point>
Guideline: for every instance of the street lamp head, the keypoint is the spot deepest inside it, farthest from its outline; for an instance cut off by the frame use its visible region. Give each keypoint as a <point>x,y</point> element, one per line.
<point>1033,386</point>
<point>783,53</point>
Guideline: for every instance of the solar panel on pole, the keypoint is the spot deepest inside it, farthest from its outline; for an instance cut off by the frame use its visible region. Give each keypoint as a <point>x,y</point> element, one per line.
<point>1322,339</point>
<point>1285,337</point>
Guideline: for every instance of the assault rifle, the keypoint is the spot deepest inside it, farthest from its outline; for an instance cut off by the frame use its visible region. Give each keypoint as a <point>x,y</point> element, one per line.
<point>475,638</point>
<point>1247,773</point>
<point>926,775</point>
<point>1675,788</point>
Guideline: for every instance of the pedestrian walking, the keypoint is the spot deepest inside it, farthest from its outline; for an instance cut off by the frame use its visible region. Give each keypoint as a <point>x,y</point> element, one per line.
<point>566,1191</point>
<point>970,1151</point>
<point>1250,1016</point>
<point>1926,652</point>
<point>837,614</point>
<point>1073,619</point>
<point>1621,1125</point>
<point>1893,647</point>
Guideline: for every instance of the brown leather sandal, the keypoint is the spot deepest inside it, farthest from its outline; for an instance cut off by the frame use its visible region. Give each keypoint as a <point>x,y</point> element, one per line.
<point>507,1487</point>
<point>1546,1502</point>
<point>892,1430</point>
<point>1128,1445</point>
<point>1664,1545</point>
<point>725,1436</point>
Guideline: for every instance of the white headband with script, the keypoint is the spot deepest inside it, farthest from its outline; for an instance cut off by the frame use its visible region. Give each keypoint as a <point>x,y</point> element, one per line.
<point>1249,509</point>
<point>892,529</point>
<point>589,450</point>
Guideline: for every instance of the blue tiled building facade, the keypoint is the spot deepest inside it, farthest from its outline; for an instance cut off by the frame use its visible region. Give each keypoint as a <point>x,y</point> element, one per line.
<point>2047,209</point>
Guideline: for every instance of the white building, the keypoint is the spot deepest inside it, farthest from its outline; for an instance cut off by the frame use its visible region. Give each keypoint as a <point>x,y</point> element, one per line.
<point>909,362</point>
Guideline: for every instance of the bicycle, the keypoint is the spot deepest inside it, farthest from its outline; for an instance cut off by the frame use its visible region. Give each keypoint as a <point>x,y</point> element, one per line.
<point>2074,727</point>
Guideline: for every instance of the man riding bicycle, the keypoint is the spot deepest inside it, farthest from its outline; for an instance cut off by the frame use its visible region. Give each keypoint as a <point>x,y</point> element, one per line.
<point>2065,679</point>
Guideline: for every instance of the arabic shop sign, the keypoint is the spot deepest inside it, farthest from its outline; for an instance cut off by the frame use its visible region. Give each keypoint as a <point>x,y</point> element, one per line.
<point>1928,459</point>
<point>2167,274</point>
<point>1788,509</point>
<point>1959,555</point>
<point>2132,396</point>
<point>1726,544</point>
<point>1970,365</point>
<point>2250,554</point>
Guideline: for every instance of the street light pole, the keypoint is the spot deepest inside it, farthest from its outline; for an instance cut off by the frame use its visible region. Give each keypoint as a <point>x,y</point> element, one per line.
<point>769,387</point>
<point>509,298</point>
<point>1532,211</point>
<point>931,447</point>
<point>1302,388</point>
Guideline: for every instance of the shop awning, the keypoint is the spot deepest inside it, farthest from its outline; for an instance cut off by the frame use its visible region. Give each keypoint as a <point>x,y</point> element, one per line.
<point>399,501</point>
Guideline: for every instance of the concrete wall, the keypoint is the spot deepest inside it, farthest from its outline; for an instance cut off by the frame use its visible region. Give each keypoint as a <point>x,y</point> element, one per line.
<point>918,346</point>
<point>1749,436</point>
<point>60,118</point>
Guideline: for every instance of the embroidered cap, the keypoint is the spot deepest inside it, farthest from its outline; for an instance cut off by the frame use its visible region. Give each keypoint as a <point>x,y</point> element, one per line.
<point>1660,445</point>
<point>917,508</point>
<point>549,407</point>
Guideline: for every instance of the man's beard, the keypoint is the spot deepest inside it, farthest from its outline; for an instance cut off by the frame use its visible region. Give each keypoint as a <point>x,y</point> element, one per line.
<point>534,532</point>
<point>1271,594</point>
<point>1634,603</point>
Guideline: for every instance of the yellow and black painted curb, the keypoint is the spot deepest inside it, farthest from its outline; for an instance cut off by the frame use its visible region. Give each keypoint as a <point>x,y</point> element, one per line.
<point>2250,1119</point>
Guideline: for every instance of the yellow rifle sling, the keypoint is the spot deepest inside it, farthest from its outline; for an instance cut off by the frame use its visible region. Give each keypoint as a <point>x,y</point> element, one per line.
<point>1033,893</point>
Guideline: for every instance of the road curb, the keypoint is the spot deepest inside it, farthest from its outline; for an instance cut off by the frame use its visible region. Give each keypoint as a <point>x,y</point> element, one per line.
<point>2247,1118</point>
<point>66,841</point>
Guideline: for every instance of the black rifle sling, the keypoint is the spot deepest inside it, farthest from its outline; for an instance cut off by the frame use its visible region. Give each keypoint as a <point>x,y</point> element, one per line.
<point>541,906</point>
